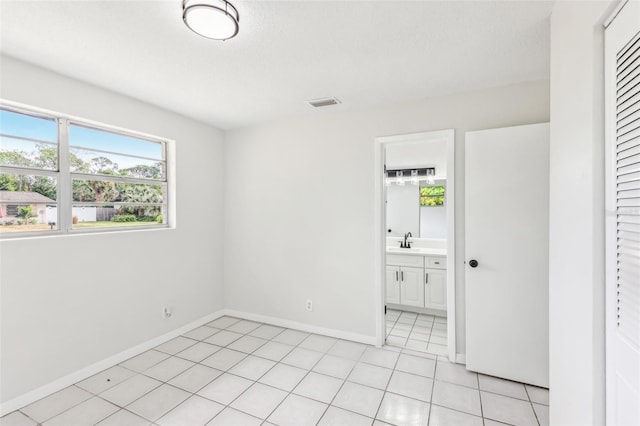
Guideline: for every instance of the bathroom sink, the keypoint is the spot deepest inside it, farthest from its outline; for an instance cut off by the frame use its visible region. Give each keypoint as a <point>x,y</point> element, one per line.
<point>418,251</point>
<point>403,250</point>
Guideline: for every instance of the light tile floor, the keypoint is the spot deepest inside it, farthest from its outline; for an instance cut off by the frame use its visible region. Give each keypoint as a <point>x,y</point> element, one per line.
<point>238,372</point>
<point>420,332</point>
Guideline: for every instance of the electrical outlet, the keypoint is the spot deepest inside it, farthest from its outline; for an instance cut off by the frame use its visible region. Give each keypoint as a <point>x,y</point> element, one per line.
<point>166,312</point>
<point>309,305</point>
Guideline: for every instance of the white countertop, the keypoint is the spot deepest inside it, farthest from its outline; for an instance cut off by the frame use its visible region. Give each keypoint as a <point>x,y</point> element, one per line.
<point>417,251</point>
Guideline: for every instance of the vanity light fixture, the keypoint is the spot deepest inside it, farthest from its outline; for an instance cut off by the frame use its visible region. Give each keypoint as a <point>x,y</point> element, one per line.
<point>214,19</point>
<point>414,176</point>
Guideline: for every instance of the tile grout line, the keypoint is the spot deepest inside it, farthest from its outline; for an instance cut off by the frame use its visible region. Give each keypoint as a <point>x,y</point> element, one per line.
<point>301,380</point>
<point>171,378</point>
<point>411,330</point>
<point>62,412</point>
<point>256,381</point>
<point>480,397</point>
<point>415,321</point>
<point>535,414</point>
<point>165,382</point>
<point>384,392</point>
<point>291,392</point>
<point>429,342</point>
<point>433,385</point>
<point>298,383</point>
<point>227,371</point>
<point>340,388</point>
<point>162,383</point>
<point>395,323</point>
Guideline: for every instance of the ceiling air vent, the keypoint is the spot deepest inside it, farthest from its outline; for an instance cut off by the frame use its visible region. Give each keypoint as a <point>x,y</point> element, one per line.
<point>317,103</point>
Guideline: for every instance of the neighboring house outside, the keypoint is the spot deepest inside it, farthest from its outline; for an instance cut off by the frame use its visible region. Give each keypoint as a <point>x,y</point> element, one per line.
<point>10,201</point>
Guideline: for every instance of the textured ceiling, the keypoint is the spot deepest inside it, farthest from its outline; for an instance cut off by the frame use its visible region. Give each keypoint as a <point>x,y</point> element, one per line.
<point>363,52</point>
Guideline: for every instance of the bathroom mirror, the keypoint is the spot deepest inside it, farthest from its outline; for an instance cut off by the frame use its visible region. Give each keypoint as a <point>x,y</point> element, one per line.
<point>416,205</point>
<point>433,213</point>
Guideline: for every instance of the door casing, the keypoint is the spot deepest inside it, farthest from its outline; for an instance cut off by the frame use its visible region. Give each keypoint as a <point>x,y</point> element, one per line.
<point>379,246</point>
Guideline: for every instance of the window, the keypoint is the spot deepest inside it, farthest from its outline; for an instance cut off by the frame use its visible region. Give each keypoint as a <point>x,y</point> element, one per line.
<point>59,174</point>
<point>431,196</point>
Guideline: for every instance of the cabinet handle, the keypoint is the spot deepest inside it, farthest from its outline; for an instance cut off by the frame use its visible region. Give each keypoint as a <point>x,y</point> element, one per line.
<point>402,276</point>
<point>426,278</point>
<point>396,275</point>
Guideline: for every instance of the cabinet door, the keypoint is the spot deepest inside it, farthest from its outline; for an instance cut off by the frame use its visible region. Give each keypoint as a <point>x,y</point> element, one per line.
<point>393,284</point>
<point>412,287</point>
<point>435,289</point>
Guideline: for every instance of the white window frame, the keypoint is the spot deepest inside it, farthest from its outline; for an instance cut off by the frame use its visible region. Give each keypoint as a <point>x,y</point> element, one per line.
<point>64,176</point>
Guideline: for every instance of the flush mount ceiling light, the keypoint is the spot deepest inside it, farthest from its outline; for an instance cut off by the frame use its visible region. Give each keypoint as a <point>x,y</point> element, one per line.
<point>214,19</point>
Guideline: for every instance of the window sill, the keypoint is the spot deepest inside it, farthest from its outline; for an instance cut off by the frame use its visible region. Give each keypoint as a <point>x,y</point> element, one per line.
<point>81,232</point>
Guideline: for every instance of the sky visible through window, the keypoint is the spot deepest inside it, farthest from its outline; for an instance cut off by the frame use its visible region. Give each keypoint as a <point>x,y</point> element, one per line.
<point>83,140</point>
<point>83,137</point>
<point>27,126</point>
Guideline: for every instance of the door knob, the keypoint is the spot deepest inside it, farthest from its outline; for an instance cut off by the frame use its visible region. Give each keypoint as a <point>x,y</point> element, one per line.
<point>473,263</point>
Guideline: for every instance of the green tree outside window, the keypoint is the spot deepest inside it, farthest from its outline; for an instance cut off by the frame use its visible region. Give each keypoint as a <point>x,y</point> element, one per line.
<point>431,196</point>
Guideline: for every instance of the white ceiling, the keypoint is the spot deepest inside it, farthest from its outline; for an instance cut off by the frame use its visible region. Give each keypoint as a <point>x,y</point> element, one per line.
<point>363,52</point>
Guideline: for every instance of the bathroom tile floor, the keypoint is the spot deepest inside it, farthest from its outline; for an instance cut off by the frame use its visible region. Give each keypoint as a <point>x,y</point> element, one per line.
<point>420,332</point>
<point>239,372</point>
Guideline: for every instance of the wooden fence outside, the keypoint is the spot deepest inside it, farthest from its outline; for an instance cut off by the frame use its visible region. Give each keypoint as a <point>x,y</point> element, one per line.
<point>105,213</point>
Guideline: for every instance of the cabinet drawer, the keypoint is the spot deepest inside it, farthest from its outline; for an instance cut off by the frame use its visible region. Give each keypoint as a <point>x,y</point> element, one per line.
<point>405,260</point>
<point>435,262</point>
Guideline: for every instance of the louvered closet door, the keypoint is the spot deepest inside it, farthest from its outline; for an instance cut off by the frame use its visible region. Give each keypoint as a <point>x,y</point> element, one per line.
<point>622,83</point>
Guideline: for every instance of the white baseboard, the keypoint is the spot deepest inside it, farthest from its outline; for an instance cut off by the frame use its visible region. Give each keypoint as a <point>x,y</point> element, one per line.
<point>339,334</point>
<point>77,376</point>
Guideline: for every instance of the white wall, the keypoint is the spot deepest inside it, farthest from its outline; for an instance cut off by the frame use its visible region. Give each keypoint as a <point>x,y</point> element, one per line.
<point>576,227</point>
<point>104,293</point>
<point>289,239</point>
<point>418,154</point>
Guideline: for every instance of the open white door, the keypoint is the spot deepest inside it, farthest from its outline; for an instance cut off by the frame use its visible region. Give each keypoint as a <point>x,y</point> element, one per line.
<point>507,247</point>
<point>622,90</point>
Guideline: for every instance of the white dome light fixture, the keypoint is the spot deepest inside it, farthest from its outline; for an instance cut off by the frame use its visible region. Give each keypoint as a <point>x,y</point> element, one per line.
<point>214,19</point>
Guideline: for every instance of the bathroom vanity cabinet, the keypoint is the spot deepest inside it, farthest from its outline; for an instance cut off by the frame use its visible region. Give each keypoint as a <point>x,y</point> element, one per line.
<point>415,280</point>
<point>404,285</point>
<point>435,289</point>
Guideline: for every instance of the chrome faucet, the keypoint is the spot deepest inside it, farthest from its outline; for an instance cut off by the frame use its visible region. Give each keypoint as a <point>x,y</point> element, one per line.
<point>405,243</point>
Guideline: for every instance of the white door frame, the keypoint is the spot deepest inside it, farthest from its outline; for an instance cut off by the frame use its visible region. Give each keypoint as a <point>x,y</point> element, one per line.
<point>380,235</point>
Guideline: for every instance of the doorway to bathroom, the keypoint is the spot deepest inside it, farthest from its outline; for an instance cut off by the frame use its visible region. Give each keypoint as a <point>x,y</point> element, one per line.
<point>415,242</point>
